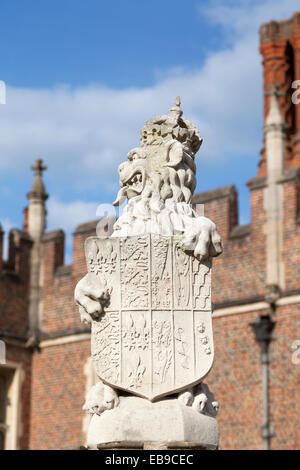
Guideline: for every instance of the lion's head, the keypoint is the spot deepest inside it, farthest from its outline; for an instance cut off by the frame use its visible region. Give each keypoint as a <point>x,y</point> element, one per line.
<point>159,173</point>
<point>164,164</point>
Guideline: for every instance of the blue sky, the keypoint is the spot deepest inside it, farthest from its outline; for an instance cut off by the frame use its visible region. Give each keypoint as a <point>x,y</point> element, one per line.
<point>120,44</point>
<point>83,76</point>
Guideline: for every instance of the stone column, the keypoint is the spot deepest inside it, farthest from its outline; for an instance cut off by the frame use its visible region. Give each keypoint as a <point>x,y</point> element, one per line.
<point>275,138</point>
<point>36,227</point>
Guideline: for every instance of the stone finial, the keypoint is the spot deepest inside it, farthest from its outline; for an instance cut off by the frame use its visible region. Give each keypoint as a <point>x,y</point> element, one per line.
<point>38,189</point>
<point>176,112</point>
<point>39,167</point>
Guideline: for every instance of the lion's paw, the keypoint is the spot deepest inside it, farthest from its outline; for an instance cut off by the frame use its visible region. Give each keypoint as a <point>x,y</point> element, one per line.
<point>199,402</point>
<point>200,399</point>
<point>91,299</point>
<point>202,238</point>
<point>186,398</point>
<point>100,398</point>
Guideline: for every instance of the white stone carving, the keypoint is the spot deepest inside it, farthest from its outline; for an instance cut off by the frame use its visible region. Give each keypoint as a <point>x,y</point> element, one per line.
<point>147,293</point>
<point>200,399</point>
<point>100,398</point>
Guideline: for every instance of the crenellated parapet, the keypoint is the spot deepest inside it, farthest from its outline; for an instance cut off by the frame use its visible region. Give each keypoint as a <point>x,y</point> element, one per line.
<point>14,285</point>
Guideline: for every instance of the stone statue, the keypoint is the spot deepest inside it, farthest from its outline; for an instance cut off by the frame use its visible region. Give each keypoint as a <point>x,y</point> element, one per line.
<point>147,296</point>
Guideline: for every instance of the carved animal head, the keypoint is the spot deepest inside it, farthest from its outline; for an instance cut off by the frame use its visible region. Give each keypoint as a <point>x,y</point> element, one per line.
<point>163,167</point>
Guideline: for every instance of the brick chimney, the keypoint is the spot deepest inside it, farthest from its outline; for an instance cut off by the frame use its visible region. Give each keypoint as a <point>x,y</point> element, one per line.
<point>280,49</point>
<point>25,219</point>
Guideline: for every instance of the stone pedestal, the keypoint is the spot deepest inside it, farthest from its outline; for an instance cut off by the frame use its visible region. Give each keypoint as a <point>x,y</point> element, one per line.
<point>140,424</point>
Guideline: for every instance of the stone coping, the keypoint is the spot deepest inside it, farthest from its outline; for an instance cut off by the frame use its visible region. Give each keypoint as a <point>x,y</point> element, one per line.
<point>214,194</point>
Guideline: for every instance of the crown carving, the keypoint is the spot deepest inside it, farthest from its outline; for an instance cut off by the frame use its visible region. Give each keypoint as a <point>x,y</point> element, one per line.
<point>169,127</point>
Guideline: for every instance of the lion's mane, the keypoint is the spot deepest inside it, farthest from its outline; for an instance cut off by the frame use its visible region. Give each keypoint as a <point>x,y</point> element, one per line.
<point>167,172</point>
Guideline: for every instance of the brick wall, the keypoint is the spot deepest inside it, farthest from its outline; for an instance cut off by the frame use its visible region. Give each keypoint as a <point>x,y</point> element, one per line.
<point>235,381</point>
<point>239,274</point>
<point>14,286</point>
<point>58,390</point>
<point>291,242</point>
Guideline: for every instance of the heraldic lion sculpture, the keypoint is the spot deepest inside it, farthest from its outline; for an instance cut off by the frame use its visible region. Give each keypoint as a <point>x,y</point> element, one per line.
<point>158,181</point>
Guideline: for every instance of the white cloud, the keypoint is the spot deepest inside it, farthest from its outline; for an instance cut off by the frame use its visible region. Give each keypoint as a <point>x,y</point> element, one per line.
<point>84,134</point>
<point>68,215</point>
<point>239,18</point>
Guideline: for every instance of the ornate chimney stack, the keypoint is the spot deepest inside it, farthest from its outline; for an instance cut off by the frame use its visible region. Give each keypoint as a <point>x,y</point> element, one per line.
<point>37,197</point>
<point>280,50</point>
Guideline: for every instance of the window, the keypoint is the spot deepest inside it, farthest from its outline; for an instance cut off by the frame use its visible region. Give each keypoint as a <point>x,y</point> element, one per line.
<point>11,376</point>
<point>6,379</point>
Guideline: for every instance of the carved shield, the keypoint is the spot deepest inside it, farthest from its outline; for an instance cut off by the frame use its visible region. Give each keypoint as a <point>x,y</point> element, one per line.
<point>155,337</point>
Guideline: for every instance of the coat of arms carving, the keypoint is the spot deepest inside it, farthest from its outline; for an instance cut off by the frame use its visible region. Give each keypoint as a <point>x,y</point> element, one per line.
<point>154,337</point>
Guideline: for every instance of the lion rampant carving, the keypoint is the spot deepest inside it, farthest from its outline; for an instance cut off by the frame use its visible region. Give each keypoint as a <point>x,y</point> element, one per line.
<point>158,180</point>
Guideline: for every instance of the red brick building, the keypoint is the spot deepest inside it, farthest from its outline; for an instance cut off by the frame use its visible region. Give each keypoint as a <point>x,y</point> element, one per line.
<point>48,370</point>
